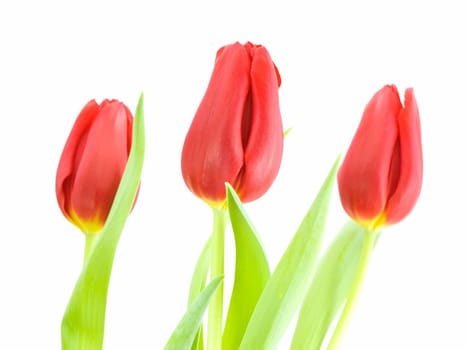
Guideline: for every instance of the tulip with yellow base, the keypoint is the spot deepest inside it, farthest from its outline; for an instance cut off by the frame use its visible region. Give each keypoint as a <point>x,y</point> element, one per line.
<point>236,137</point>
<point>84,318</point>
<point>92,163</point>
<point>380,178</point>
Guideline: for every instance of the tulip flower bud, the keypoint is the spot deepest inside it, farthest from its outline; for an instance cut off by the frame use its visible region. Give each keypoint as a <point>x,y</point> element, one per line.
<point>381,176</point>
<point>236,135</point>
<point>93,162</point>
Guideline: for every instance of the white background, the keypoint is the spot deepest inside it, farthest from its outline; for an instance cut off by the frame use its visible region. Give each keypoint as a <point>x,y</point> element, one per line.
<point>333,56</point>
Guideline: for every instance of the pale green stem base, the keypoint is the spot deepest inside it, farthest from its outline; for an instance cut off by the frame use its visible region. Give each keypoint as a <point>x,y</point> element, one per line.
<point>214,329</point>
<point>368,244</point>
<point>90,240</point>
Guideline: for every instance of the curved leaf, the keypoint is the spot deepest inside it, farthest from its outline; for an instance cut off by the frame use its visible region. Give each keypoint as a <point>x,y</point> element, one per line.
<point>198,282</point>
<point>183,336</point>
<point>288,284</point>
<point>251,273</point>
<point>329,289</point>
<point>200,273</point>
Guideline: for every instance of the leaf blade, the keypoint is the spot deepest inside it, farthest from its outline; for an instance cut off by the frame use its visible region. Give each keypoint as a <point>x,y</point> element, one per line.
<point>329,289</point>
<point>184,334</point>
<point>251,273</point>
<point>292,276</point>
<point>198,282</point>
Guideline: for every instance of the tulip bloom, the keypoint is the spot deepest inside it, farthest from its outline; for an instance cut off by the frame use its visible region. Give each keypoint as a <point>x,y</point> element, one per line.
<point>236,135</point>
<point>381,176</point>
<point>92,163</point>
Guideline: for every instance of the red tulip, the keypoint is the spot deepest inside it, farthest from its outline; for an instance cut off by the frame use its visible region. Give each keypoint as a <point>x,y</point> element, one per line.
<point>381,176</point>
<point>236,135</point>
<point>92,163</point>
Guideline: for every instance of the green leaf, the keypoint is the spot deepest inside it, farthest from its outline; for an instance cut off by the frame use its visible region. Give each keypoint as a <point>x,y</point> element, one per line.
<point>84,318</point>
<point>251,273</point>
<point>198,282</point>
<point>288,284</point>
<point>200,273</point>
<point>183,336</point>
<point>330,288</point>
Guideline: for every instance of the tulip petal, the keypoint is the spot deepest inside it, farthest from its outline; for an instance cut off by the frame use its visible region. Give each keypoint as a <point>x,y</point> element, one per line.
<point>213,151</point>
<point>263,149</point>
<point>363,176</point>
<point>101,165</point>
<point>411,162</point>
<point>64,178</point>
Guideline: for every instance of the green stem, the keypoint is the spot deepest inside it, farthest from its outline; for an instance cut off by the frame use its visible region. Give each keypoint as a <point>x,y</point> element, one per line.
<point>214,330</point>
<point>368,244</point>
<point>90,240</point>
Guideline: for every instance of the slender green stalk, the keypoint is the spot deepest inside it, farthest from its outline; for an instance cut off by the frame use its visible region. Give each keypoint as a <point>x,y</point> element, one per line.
<point>368,243</point>
<point>90,240</point>
<point>214,330</point>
